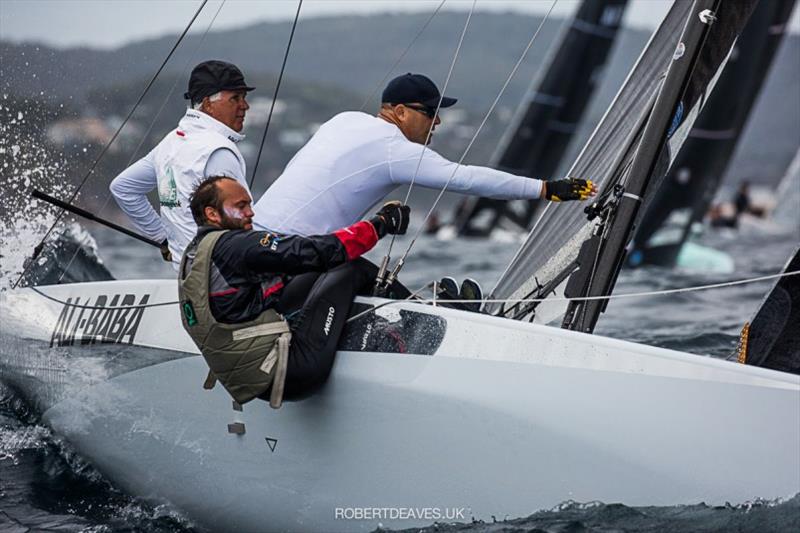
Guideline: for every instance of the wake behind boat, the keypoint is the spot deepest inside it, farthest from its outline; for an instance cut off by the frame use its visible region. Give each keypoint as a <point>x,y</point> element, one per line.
<point>555,414</point>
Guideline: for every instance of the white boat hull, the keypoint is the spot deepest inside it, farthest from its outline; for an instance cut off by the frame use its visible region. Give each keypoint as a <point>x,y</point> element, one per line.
<point>505,419</point>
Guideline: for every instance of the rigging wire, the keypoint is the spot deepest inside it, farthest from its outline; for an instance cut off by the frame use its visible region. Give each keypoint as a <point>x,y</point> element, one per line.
<point>433,122</point>
<point>402,56</point>
<point>37,250</point>
<point>475,136</point>
<point>178,78</point>
<point>642,294</point>
<point>661,292</point>
<point>275,94</point>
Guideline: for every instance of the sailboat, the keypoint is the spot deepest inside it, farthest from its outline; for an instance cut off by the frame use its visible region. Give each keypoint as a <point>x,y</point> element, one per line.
<point>546,121</point>
<point>687,192</point>
<point>477,415</point>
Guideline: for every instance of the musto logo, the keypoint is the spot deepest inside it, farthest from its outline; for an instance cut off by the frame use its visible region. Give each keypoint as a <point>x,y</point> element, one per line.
<point>99,322</point>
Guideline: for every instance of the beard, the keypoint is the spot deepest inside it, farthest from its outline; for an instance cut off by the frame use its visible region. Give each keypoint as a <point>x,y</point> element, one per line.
<point>227,221</point>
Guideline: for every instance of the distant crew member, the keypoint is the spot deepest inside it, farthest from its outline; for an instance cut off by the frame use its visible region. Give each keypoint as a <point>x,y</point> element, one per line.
<point>204,144</point>
<point>238,287</point>
<point>355,159</point>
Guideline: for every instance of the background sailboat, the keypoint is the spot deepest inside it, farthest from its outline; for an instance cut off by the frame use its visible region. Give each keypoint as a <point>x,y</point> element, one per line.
<point>686,193</point>
<point>547,119</point>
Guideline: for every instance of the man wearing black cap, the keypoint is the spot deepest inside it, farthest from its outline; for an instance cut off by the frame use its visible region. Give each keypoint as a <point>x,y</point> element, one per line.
<point>356,159</point>
<point>204,144</point>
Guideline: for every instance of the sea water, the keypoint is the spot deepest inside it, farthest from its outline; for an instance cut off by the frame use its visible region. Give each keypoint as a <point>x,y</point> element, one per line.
<point>46,486</point>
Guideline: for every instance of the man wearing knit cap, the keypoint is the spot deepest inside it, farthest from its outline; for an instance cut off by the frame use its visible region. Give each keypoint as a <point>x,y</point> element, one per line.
<point>204,144</point>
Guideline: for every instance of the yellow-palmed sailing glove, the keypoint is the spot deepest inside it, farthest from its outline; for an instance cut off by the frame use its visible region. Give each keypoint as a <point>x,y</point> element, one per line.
<point>568,189</point>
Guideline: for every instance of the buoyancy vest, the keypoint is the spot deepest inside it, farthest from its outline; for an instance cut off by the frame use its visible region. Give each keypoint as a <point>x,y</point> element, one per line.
<point>247,358</point>
<point>180,161</point>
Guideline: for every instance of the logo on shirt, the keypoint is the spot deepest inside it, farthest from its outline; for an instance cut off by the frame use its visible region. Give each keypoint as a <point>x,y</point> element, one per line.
<point>168,190</point>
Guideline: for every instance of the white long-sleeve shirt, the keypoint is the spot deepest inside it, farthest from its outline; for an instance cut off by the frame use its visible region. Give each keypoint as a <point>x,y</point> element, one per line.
<point>352,162</point>
<point>199,147</point>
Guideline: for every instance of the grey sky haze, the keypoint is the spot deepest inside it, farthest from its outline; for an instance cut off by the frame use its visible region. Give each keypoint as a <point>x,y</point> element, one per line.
<point>112,23</point>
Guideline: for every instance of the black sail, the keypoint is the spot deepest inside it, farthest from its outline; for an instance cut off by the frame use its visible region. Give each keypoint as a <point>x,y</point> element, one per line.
<point>686,193</point>
<point>630,152</point>
<point>546,121</point>
<point>772,339</point>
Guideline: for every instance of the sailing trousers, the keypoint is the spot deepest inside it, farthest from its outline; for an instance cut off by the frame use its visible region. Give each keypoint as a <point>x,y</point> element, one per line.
<point>317,306</point>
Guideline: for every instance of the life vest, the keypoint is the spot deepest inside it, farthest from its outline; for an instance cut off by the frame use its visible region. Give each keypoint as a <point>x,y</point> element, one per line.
<point>180,160</point>
<point>246,358</point>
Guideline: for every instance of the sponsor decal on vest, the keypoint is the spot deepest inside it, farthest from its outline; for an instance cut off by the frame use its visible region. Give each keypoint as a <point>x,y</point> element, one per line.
<point>329,321</point>
<point>118,324</point>
<point>269,241</point>
<point>168,190</point>
<point>188,312</point>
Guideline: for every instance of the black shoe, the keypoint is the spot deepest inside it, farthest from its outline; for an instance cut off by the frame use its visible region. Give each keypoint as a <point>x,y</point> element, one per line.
<point>471,290</point>
<point>447,289</point>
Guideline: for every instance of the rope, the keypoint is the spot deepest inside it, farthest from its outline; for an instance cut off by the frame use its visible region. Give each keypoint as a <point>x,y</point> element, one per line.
<point>275,95</point>
<point>80,306</point>
<point>480,127</point>
<point>433,121</point>
<point>178,78</point>
<point>587,298</point>
<point>384,304</point>
<point>38,248</point>
<point>399,59</point>
<point>415,294</point>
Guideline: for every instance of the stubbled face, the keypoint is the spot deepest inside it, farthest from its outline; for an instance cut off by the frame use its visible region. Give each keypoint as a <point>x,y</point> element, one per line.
<point>236,212</point>
<point>415,124</point>
<point>230,109</point>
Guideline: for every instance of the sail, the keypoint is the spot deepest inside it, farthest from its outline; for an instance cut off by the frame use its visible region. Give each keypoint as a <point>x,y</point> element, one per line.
<point>546,121</point>
<point>628,151</point>
<point>686,193</point>
<point>772,339</point>
<point>788,195</point>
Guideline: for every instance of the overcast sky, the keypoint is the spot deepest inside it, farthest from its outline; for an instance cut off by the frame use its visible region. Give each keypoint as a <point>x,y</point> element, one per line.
<point>108,24</point>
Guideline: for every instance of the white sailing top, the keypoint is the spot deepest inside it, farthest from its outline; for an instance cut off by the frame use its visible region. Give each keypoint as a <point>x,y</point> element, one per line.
<point>199,147</point>
<point>352,162</point>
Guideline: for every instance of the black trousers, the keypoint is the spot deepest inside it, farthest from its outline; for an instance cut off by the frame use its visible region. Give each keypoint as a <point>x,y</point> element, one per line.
<point>319,304</point>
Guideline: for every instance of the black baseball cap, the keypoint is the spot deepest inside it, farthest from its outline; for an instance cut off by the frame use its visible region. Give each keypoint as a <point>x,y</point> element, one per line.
<point>210,77</point>
<point>410,88</point>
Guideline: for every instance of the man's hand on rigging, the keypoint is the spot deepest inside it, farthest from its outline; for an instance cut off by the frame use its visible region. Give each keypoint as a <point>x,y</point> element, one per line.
<point>568,189</point>
<point>392,218</point>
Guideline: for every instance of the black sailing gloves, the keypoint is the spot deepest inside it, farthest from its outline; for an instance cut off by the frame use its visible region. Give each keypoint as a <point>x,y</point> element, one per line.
<point>392,219</point>
<point>569,189</point>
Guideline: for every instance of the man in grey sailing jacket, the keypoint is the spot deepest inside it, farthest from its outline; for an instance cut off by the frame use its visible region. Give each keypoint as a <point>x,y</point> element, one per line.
<point>236,283</point>
<point>355,159</point>
<point>204,144</point>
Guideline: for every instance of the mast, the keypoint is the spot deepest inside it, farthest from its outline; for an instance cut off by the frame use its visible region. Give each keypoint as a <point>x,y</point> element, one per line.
<point>695,62</point>
<point>684,197</point>
<point>546,121</point>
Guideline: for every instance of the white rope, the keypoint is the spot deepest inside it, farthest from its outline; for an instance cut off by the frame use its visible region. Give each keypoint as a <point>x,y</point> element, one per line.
<point>477,132</point>
<point>182,76</point>
<point>433,121</point>
<point>399,59</point>
<point>588,298</point>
